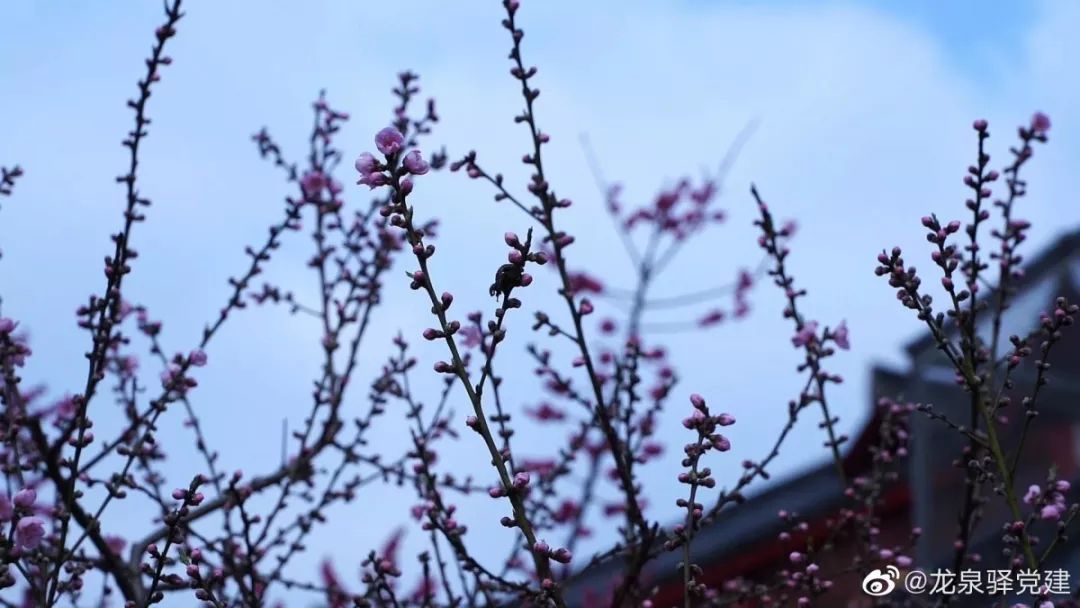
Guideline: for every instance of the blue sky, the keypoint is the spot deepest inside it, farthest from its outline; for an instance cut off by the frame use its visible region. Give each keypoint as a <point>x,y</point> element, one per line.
<point>864,113</point>
<point>970,31</point>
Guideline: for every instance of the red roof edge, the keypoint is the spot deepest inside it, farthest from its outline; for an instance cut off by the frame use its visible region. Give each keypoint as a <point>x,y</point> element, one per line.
<point>771,552</point>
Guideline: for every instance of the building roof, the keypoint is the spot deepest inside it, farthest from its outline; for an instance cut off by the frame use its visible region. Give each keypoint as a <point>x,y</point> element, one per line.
<point>742,539</point>
<point>1036,289</point>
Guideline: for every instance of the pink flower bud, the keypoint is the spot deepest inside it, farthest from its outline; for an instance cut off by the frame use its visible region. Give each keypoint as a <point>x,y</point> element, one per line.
<point>415,163</point>
<point>24,499</point>
<point>29,532</point>
<point>1050,513</point>
<point>365,163</point>
<point>840,336</point>
<point>373,180</point>
<point>1040,123</point>
<point>312,183</point>
<point>562,555</point>
<point>1032,494</point>
<point>389,141</point>
<point>116,544</point>
<point>197,357</point>
<point>521,479</point>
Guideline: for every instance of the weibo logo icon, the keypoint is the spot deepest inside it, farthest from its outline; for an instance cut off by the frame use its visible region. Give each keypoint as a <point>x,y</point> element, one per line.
<point>879,583</point>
